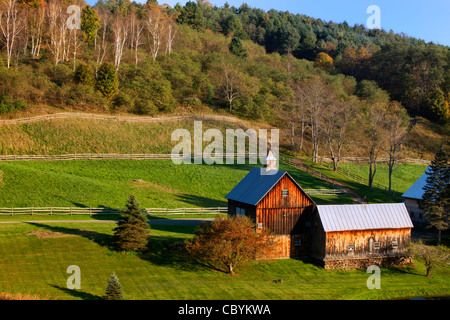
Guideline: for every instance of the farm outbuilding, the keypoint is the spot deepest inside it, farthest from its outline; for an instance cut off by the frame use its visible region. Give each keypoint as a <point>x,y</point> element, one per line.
<point>358,235</point>
<point>413,200</point>
<point>337,236</point>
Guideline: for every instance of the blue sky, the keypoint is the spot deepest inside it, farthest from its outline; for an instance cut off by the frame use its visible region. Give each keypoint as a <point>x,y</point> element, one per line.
<point>427,20</point>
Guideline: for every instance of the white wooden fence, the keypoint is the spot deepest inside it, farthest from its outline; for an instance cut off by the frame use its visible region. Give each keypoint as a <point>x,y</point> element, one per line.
<point>103,211</point>
<point>111,156</point>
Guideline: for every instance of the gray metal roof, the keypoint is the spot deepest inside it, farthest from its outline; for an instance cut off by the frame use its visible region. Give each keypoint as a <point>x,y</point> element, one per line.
<point>254,186</point>
<point>364,216</point>
<point>416,190</point>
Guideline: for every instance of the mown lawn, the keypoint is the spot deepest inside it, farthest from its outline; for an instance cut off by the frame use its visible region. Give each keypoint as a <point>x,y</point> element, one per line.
<point>38,266</point>
<point>108,183</point>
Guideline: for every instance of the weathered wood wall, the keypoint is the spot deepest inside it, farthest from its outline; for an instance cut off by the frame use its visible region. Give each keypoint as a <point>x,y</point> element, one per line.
<point>286,217</point>
<point>337,243</point>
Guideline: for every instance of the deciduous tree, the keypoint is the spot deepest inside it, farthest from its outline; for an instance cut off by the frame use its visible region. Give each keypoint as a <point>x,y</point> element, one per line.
<point>228,242</point>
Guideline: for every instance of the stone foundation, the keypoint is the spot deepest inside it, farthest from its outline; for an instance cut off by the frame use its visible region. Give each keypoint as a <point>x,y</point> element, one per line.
<point>362,263</point>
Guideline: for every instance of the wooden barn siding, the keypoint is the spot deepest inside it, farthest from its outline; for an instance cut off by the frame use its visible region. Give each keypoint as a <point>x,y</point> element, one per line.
<point>318,238</point>
<point>283,216</point>
<point>274,199</point>
<point>250,211</point>
<point>337,242</point>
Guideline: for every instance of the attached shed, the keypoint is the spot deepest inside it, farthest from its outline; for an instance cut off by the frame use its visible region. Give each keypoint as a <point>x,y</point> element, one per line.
<point>276,202</point>
<point>413,200</point>
<point>355,236</point>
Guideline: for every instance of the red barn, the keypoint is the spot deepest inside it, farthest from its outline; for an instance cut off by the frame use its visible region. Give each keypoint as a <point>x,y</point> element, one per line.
<point>338,236</point>
<point>274,200</point>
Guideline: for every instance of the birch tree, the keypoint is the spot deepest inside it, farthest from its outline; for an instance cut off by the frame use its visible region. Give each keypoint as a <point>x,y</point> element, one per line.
<point>155,25</point>
<point>120,28</point>
<point>57,30</point>
<point>11,25</point>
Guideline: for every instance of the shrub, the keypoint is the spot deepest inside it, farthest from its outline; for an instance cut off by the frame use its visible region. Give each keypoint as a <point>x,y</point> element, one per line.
<point>8,104</point>
<point>144,107</point>
<point>227,242</point>
<point>84,75</point>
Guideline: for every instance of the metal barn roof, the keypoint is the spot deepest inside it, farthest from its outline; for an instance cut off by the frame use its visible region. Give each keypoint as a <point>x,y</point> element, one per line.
<point>416,190</point>
<point>254,186</point>
<point>364,216</point>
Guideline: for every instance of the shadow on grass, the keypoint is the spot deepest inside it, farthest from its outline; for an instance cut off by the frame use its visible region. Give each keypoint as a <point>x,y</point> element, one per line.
<point>99,238</point>
<point>200,201</point>
<point>78,294</point>
<point>169,252</point>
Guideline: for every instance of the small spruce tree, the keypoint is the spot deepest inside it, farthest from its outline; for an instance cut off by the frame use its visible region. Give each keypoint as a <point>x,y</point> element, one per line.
<point>436,193</point>
<point>113,289</point>
<point>237,49</point>
<point>132,231</point>
<point>107,81</point>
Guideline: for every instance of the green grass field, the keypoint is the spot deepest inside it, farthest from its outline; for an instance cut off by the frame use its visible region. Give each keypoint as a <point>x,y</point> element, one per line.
<point>108,183</point>
<point>30,265</point>
<point>403,177</point>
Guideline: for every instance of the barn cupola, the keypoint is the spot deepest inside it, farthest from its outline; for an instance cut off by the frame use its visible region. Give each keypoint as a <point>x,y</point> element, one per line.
<point>271,162</point>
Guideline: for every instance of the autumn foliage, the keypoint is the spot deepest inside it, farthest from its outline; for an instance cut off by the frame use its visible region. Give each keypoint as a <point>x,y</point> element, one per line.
<point>228,242</point>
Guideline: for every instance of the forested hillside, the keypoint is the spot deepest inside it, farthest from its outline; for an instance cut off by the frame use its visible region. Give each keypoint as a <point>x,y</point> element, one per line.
<point>338,90</point>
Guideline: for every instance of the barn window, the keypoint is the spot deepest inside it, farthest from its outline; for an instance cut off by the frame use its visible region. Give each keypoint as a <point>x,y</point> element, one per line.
<point>376,245</point>
<point>240,211</point>
<point>260,225</point>
<point>297,242</point>
<point>394,244</point>
<point>351,247</point>
<point>285,192</point>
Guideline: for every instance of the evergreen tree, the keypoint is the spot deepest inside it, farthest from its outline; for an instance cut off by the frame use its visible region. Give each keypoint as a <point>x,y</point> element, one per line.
<point>132,231</point>
<point>237,49</point>
<point>90,22</point>
<point>107,81</point>
<point>113,289</point>
<point>192,15</point>
<point>84,75</point>
<point>436,195</point>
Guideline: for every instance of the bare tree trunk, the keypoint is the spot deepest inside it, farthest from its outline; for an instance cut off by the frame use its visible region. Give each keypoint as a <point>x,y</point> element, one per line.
<point>11,25</point>
<point>120,30</point>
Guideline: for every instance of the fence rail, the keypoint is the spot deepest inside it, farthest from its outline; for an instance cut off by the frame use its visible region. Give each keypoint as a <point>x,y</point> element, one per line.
<point>67,115</point>
<point>111,156</point>
<point>102,211</point>
<point>324,192</point>
<point>379,160</point>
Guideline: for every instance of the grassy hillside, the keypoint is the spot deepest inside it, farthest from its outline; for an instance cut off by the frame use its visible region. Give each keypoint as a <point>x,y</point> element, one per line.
<point>64,136</point>
<point>108,183</point>
<point>403,177</point>
<point>38,267</point>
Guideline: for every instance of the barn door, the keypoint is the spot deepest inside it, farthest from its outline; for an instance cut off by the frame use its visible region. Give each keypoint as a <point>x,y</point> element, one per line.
<point>296,246</point>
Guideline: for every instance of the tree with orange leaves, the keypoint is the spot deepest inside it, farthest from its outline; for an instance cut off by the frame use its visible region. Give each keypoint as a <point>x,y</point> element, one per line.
<point>228,242</point>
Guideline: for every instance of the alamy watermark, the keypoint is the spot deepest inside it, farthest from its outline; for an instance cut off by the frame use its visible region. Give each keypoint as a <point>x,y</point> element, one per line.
<point>374,21</point>
<point>74,281</point>
<point>190,149</point>
<point>374,281</point>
